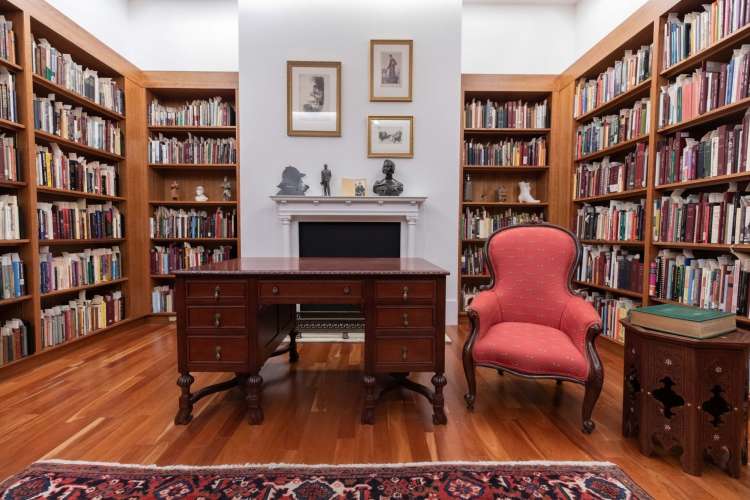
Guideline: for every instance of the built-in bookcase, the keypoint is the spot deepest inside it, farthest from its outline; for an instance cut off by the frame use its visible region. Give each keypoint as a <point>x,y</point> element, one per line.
<point>500,157</point>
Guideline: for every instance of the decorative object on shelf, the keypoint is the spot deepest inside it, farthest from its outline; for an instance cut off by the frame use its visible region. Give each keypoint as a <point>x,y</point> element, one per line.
<point>325,180</point>
<point>292,183</point>
<point>501,194</point>
<point>524,195</point>
<point>174,191</point>
<point>350,187</point>
<point>388,186</point>
<point>390,137</point>
<point>226,189</point>
<point>391,70</point>
<point>468,188</point>
<point>360,189</point>
<point>313,99</point>
<point>200,194</point>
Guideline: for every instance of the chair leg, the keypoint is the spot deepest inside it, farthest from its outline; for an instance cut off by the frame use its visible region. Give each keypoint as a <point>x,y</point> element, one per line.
<point>471,381</point>
<point>593,389</point>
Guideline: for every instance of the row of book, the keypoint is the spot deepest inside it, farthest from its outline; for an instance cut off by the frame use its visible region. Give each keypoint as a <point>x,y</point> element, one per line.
<point>473,261</point>
<point>719,283</point>
<point>56,169</point>
<point>7,40</point>
<point>15,341</point>
<point>74,124</point>
<point>607,131</point>
<point>162,299</point>
<point>481,223</point>
<point>70,270</point>
<point>80,317</point>
<point>179,223</point>
<point>165,260</point>
<point>698,30</point>
<point>710,217</point>
<point>212,112</point>
<point>506,153</point>
<point>712,86</point>
<point>620,221</point>
<point>8,106</point>
<point>77,220</point>
<point>510,114</point>
<point>611,266</point>
<point>605,177</point>
<point>10,228</point>
<point>10,161</point>
<point>634,68</point>
<point>611,310</point>
<point>59,68</point>
<point>12,276</point>
<point>192,150</point>
<point>721,151</point>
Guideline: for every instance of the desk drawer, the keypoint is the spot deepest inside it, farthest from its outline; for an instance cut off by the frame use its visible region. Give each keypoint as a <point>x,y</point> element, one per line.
<point>404,352</point>
<point>216,317</point>
<point>222,290</point>
<point>404,317</point>
<point>218,352</point>
<point>322,290</point>
<point>404,291</point>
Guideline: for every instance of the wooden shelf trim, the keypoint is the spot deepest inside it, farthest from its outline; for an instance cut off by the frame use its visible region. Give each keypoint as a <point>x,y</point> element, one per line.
<point>618,291</point>
<point>508,204</point>
<point>194,240</point>
<point>508,131</point>
<point>705,181</point>
<point>194,166</point>
<point>696,59</point>
<point>81,148</point>
<point>188,203</point>
<point>184,129</point>
<point>12,184</point>
<point>162,276</point>
<point>620,146</point>
<point>627,243</point>
<point>14,300</point>
<point>714,114</point>
<point>13,243</point>
<point>624,195</point>
<point>84,102</point>
<point>497,169</point>
<point>81,288</point>
<point>703,246</point>
<point>11,125</point>
<point>636,92</point>
<point>77,194</point>
<point>11,66</point>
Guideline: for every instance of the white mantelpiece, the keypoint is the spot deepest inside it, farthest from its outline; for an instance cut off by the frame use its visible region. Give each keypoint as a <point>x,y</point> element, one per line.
<point>405,210</point>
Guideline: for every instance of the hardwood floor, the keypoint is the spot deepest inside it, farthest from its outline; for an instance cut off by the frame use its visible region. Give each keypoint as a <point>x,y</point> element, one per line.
<point>114,400</point>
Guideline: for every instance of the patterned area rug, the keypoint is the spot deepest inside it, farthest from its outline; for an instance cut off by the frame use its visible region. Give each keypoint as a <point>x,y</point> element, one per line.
<point>464,480</point>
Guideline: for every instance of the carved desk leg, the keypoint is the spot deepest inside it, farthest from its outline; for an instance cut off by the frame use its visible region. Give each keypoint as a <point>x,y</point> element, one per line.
<point>185,413</point>
<point>368,412</point>
<point>254,388</point>
<point>438,402</point>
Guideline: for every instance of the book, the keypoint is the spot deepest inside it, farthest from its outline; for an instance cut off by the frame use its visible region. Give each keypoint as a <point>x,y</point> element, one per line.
<point>473,261</point>
<point>480,223</point>
<point>15,341</point>
<point>9,218</point>
<point>212,112</point>
<point>506,153</point>
<point>10,162</point>
<point>78,220</point>
<point>607,131</point>
<point>81,316</point>
<point>620,220</point>
<point>162,299</point>
<point>191,150</point>
<point>70,270</point>
<point>684,320</point>
<point>510,114</point>
<point>70,171</point>
<point>611,266</point>
<point>7,40</point>
<point>12,276</point>
<point>8,106</point>
<point>604,177</point>
<point>165,260</point>
<point>168,222</point>
<point>611,310</point>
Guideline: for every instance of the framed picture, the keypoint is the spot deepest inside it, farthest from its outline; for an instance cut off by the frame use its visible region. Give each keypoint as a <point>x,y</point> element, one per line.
<point>390,137</point>
<point>353,186</point>
<point>313,99</point>
<point>390,70</point>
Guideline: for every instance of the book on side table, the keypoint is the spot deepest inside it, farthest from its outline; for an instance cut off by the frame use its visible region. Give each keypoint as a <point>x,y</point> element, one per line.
<point>682,320</point>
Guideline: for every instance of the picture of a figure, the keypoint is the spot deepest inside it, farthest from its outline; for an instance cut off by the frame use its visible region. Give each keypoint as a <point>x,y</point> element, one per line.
<point>312,93</point>
<point>359,189</point>
<point>390,135</point>
<point>390,68</point>
<point>313,98</point>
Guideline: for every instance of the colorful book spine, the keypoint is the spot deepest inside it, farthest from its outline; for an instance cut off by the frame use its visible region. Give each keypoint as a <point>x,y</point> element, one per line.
<point>473,261</point>
<point>58,170</point>
<point>7,40</point>
<point>193,150</point>
<point>77,220</point>
<point>8,97</point>
<point>12,276</point>
<point>481,223</point>
<point>70,270</point>
<point>10,162</point>
<point>81,317</point>
<point>165,260</point>
<point>605,177</point>
<point>213,112</point>
<point>10,228</point>
<point>612,310</point>
<point>511,114</point>
<point>168,222</point>
<point>507,153</point>
<point>612,267</point>
<point>15,341</point>
<point>607,131</point>
<point>620,221</point>
<point>162,299</point>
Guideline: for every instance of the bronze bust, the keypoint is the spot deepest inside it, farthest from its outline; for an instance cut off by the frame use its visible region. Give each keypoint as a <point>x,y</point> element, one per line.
<point>388,186</point>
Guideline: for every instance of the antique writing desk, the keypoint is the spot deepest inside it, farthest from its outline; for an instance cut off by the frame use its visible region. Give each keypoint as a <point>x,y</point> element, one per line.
<point>232,316</point>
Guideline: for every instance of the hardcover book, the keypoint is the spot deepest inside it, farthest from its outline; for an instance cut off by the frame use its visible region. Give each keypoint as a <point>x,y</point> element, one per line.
<point>684,320</point>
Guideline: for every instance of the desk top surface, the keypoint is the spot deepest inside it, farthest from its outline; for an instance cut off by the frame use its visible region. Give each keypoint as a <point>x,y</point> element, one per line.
<point>271,266</point>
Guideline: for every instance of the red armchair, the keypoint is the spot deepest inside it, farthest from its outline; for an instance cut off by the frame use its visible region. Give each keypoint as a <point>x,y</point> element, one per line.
<point>528,321</point>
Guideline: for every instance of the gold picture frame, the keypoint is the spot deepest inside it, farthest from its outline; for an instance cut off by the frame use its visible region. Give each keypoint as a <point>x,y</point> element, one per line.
<point>309,112</point>
<point>391,88</point>
<point>385,136</point>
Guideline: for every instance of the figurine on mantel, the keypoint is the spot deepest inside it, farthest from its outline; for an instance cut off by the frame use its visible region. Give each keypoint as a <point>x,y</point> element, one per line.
<point>524,195</point>
<point>291,183</point>
<point>200,194</point>
<point>226,187</point>
<point>388,186</point>
<point>325,180</point>
<point>174,191</point>
<point>359,190</point>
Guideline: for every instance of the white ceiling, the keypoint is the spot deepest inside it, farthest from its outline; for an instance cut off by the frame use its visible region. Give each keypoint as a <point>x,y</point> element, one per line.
<point>540,2</point>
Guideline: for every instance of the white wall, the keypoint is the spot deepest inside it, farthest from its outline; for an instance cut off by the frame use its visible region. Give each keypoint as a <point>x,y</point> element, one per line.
<point>595,19</point>
<point>96,17</point>
<point>274,31</point>
<point>517,38</point>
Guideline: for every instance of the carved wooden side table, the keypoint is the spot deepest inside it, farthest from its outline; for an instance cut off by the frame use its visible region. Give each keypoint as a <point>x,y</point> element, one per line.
<point>687,396</point>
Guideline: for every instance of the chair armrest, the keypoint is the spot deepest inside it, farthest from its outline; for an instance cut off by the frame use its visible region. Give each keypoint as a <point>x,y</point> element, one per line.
<point>484,311</point>
<point>580,321</point>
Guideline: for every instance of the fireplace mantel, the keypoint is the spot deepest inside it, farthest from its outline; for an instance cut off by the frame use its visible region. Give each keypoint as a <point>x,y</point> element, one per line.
<point>350,209</point>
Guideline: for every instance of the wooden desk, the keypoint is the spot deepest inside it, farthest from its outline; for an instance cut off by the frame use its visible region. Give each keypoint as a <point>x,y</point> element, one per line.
<point>232,316</point>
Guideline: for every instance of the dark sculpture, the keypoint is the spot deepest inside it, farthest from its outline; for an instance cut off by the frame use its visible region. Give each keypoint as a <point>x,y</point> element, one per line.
<point>388,186</point>
<point>291,183</point>
<point>325,180</point>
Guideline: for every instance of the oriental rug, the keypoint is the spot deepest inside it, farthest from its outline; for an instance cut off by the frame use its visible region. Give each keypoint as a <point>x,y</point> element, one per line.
<point>463,480</point>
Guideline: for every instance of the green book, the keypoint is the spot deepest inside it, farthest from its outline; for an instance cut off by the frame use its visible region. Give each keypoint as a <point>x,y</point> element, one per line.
<point>682,320</point>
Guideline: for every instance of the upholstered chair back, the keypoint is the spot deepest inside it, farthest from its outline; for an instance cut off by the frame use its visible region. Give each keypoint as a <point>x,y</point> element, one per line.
<point>531,266</point>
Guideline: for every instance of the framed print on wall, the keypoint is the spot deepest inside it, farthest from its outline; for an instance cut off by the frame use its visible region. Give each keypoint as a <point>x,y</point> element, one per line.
<point>313,99</point>
<point>390,70</point>
<point>390,137</point>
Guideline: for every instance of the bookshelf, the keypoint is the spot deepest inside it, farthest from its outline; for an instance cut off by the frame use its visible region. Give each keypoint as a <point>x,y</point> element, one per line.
<point>486,179</point>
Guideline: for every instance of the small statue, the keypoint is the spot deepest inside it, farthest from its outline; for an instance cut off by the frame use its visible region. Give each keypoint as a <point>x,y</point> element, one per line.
<point>226,189</point>
<point>468,189</point>
<point>501,194</point>
<point>524,195</point>
<point>174,191</point>
<point>325,180</point>
<point>200,194</point>
<point>291,183</point>
<point>388,186</point>
<point>359,189</point>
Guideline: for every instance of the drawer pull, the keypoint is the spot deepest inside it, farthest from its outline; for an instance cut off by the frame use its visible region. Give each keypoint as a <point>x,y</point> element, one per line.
<point>406,319</point>
<point>218,353</point>
<point>217,291</point>
<point>347,290</point>
<point>404,353</point>
<point>405,296</point>
<point>275,290</point>
<point>217,320</point>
